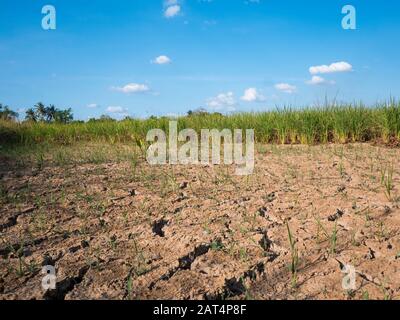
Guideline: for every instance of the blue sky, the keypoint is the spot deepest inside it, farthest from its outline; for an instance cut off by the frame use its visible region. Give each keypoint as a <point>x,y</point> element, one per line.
<point>223,55</point>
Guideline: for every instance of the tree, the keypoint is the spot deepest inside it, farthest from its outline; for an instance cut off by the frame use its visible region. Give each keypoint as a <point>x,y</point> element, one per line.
<point>30,115</point>
<point>63,116</point>
<point>41,111</point>
<point>105,117</point>
<point>51,113</point>
<point>48,114</point>
<point>7,114</point>
<point>197,112</point>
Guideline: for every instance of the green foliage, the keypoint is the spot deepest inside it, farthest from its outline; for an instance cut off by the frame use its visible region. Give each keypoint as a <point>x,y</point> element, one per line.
<point>41,113</point>
<point>387,180</point>
<point>7,114</point>
<point>330,123</point>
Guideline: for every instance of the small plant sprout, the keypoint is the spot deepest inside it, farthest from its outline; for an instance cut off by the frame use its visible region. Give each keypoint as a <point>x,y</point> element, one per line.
<point>387,181</point>
<point>39,160</point>
<point>331,237</point>
<point>217,245</point>
<point>129,286</point>
<point>134,165</point>
<point>294,262</point>
<point>386,294</point>
<point>19,253</point>
<point>365,295</point>
<point>334,239</point>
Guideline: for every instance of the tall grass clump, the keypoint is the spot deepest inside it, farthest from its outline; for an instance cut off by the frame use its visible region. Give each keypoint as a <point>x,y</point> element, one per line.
<point>312,125</point>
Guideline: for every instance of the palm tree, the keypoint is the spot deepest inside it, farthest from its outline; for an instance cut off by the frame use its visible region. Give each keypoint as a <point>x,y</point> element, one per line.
<point>63,116</point>
<point>51,113</point>
<point>30,115</point>
<point>41,111</point>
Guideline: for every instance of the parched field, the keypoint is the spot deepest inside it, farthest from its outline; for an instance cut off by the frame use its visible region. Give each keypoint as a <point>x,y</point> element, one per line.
<point>116,228</point>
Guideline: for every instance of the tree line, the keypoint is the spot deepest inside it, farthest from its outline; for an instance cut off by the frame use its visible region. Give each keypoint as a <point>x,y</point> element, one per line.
<point>48,114</point>
<point>39,113</point>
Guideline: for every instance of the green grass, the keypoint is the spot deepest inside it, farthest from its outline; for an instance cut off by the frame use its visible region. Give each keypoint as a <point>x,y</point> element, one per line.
<point>387,180</point>
<point>294,262</point>
<point>339,124</point>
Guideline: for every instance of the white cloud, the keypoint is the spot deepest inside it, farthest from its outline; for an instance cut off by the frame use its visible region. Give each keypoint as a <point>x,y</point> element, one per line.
<point>285,87</point>
<point>317,80</point>
<point>132,88</point>
<point>222,101</point>
<point>251,95</point>
<point>117,109</point>
<point>333,67</point>
<point>162,60</point>
<point>92,105</point>
<point>172,11</point>
<point>171,2</point>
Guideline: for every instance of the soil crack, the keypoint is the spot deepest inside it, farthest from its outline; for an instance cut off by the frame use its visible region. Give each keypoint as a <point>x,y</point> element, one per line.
<point>185,263</point>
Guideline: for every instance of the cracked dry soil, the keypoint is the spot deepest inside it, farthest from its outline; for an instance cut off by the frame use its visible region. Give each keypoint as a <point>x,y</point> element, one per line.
<point>200,232</point>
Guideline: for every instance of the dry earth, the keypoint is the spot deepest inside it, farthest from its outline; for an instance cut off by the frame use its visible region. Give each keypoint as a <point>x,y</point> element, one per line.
<point>193,232</point>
